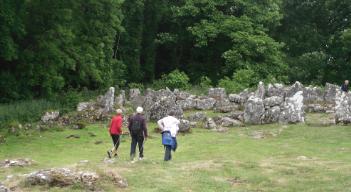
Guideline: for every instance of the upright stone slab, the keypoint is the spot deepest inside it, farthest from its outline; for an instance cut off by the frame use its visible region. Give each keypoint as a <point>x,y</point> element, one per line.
<point>121,99</point>
<point>292,110</point>
<point>293,89</point>
<point>107,101</point>
<point>330,92</point>
<point>254,110</point>
<point>261,91</point>
<point>275,89</point>
<point>343,107</point>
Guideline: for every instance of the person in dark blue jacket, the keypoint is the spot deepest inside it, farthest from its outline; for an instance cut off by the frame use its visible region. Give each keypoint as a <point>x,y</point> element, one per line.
<point>345,86</point>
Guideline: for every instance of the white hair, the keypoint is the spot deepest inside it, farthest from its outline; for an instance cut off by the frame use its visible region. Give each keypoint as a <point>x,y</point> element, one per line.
<point>119,111</point>
<point>139,110</point>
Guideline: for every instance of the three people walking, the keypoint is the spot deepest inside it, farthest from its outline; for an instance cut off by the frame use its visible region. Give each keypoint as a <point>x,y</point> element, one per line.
<point>138,131</point>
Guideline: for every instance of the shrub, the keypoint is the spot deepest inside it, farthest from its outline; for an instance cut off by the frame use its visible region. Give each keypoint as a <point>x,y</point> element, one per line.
<point>242,79</point>
<point>175,79</point>
<point>205,82</point>
<point>136,86</point>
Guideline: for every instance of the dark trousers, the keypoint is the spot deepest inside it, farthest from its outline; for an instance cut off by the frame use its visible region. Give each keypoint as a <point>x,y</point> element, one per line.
<point>115,139</point>
<point>168,152</point>
<point>137,139</point>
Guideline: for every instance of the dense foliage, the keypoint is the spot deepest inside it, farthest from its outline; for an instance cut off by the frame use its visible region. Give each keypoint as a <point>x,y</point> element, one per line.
<point>49,47</point>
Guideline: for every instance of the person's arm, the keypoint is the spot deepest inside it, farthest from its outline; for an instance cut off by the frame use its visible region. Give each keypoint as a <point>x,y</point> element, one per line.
<point>145,128</point>
<point>160,124</point>
<point>119,124</point>
<point>129,124</point>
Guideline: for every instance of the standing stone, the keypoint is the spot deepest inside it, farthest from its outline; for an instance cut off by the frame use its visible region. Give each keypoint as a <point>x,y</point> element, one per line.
<point>121,99</point>
<point>271,115</point>
<point>217,93</point>
<point>107,101</point>
<point>275,89</point>
<point>343,107</point>
<point>254,110</point>
<point>292,111</point>
<point>261,91</point>
<point>293,89</point>
<point>330,92</point>
<point>236,98</point>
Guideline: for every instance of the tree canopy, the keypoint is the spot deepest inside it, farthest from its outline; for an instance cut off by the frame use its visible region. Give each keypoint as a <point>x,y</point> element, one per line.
<point>48,47</point>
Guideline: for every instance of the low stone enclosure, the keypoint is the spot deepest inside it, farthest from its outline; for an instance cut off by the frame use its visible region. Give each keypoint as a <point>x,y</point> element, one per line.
<point>272,103</point>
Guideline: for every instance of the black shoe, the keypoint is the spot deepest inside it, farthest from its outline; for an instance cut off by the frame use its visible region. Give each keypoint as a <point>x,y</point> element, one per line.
<point>109,154</point>
<point>116,155</point>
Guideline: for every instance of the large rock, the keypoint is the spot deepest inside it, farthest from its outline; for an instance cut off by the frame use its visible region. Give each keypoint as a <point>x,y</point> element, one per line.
<point>121,99</point>
<point>271,115</point>
<point>187,104</point>
<point>229,122</point>
<point>3,188</point>
<point>162,107</point>
<point>210,124</point>
<point>217,93</point>
<point>106,102</point>
<point>254,110</point>
<point>184,125</point>
<point>292,111</point>
<point>16,163</point>
<point>198,116</point>
<point>293,89</point>
<point>276,89</point>
<point>236,98</point>
<point>225,106</point>
<point>85,106</point>
<point>330,92</point>
<point>273,101</point>
<point>62,177</point>
<point>50,116</point>
<point>261,91</point>
<point>205,104</point>
<point>343,107</point>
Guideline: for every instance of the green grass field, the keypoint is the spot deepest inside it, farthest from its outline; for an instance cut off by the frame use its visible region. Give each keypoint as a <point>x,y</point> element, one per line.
<point>288,158</point>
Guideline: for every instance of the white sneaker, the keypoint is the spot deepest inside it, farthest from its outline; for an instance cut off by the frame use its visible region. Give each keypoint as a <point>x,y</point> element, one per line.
<point>140,158</point>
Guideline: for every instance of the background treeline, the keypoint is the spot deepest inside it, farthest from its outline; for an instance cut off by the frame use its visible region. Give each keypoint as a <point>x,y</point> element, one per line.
<point>48,47</point>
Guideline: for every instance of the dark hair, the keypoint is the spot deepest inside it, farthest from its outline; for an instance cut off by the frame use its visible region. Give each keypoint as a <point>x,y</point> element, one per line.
<point>171,113</point>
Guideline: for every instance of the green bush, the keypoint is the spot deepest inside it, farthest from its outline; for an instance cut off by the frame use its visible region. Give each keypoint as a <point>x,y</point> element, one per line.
<point>136,86</point>
<point>174,80</point>
<point>242,79</point>
<point>205,82</point>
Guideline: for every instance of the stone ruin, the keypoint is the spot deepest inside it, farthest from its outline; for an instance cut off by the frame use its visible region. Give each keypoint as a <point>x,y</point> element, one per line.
<point>274,103</point>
